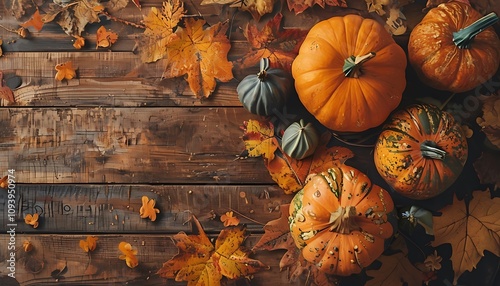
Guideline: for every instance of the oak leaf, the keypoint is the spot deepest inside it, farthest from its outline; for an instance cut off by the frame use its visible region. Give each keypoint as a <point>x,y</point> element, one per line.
<point>490,120</point>
<point>5,91</point>
<point>201,55</point>
<point>148,209</point>
<point>470,230</point>
<point>229,219</point>
<point>65,71</point>
<point>160,25</point>
<point>199,262</point>
<point>257,8</point>
<point>259,139</point>
<point>271,41</point>
<point>32,220</point>
<point>299,6</point>
<point>128,254</point>
<point>105,38</point>
<point>488,169</point>
<point>35,21</point>
<point>89,244</point>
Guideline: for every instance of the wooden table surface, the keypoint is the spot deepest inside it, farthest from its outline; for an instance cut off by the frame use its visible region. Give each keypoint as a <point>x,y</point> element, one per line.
<point>86,150</point>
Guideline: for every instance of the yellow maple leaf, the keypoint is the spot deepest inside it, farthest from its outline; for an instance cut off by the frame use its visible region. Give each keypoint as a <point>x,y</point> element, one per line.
<point>201,55</point>
<point>470,231</point>
<point>148,209</point>
<point>65,71</point>
<point>128,254</point>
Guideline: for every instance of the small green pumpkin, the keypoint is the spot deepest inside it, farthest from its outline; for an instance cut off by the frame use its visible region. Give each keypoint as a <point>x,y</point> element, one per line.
<point>265,92</point>
<point>300,140</point>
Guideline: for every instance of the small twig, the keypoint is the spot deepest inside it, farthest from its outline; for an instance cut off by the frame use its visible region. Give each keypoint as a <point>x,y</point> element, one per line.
<point>8,29</point>
<point>244,216</point>
<point>119,20</point>
<point>350,143</point>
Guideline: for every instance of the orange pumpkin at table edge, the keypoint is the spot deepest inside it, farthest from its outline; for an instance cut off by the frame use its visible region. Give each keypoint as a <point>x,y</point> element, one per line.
<point>349,73</point>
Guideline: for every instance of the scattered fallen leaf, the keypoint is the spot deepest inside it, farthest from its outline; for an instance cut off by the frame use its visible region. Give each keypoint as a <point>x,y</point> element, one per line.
<point>201,55</point>
<point>467,131</point>
<point>433,261</point>
<point>22,32</point>
<point>271,41</point>
<point>229,219</point>
<point>105,38</point>
<point>128,254</point>
<point>115,5</point>
<point>65,71</point>
<point>490,120</point>
<point>35,21</point>
<point>259,139</point>
<point>4,182</point>
<point>299,6</point>
<point>148,209</point>
<point>199,262</point>
<point>89,244</point>
<point>488,169</point>
<point>18,8</point>
<point>74,18</point>
<point>31,220</point>
<point>160,25</point>
<point>470,230</point>
<point>79,42</point>
<point>421,216</point>
<point>5,91</point>
<point>27,246</point>
<point>257,8</point>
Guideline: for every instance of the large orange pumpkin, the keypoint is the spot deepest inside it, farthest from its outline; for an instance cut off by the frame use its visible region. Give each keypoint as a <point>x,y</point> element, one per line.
<point>340,220</point>
<point>421,151</point>
<point>349,73</point>
<point>449,50</point>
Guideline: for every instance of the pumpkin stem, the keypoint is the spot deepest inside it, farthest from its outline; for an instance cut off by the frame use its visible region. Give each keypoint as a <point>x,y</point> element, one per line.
<point>352,65</point>
<point>465,36</point>
<point>264,66</point>
<point>342,220</point>
<point>430,150</point>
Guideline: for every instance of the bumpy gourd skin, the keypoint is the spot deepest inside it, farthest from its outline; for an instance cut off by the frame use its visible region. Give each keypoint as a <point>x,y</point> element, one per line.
<point>340,220</point>
<point>421,151</point>
<point>439,62</point>
<point>300,140</point>
<point>266,92</point>
<point>362,99</point>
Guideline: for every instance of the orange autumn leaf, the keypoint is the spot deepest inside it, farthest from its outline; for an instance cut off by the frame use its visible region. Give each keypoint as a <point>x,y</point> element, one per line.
<point>4,183</point>
<point>35,21</point>
<point>27,246</point>
<point>201,55</point>
<point>65,71</point>
<point>470,230</point>
<point>79,42</point>
<point>32,220</point>
<point>89,244</point>
<point>5,91</point>
<point>148,209</point>
<point>160,25</point>
<point>199,262</point>
<point>105,38</point>
<point>259,139</point>
<point>271,41</point>
<point>128,254</point>
<point>229,219</point>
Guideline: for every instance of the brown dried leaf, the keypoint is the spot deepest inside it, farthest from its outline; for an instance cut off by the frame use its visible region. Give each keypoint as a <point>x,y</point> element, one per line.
<point>300,6</point>
<point>74,18</point>
<point>5,91</point>
<point>18,8</point>
<point>490,120</point>
<point>488,169</point>
<point>256,8</point>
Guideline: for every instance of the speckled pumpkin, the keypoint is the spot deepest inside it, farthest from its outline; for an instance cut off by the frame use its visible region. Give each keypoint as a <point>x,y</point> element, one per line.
<point>340,220</point>
<point>421,151</point>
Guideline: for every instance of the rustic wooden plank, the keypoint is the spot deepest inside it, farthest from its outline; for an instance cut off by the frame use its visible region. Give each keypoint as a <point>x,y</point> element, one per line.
<point>115,208</point>
<point>127,145</point>
<point>103,267</point>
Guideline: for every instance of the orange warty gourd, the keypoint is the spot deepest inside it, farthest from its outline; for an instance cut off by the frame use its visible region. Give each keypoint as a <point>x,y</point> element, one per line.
<point>340,220</point>
<point>421,151</point>
<point>349,73</point>
<point>453,48</point>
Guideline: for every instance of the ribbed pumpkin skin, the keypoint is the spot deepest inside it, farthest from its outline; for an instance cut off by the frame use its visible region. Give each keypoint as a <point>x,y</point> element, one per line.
<point>266,92</point>
<point>300,140</point>
<point>400,161</point>
<point>344,103</point>
<point>341,247</point>
<point>439,62</point>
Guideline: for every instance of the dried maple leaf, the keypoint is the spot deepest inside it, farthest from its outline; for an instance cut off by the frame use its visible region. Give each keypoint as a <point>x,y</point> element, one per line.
<point>160,25</point>
<point>105,38</point>
<point>32,220</point>
<point>490,120</point>
<point>5,91</point>
<point>201,55</point>
<point>35,21</point>
<point>257,8</point>
<point>271,41</point>
<point>229,219</point>
<point>148,209</point>
<point>74,17</point>
<point>89,244</point>
<point>128,254</point>
<point>201,263</point>
<point>470,230</point>
<point>65,71</point>
<point>300,6</point>
<point>488,169</point>
<point>259,139</point>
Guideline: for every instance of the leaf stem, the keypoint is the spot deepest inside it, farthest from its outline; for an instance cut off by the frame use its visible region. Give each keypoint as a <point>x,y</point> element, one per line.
<point>336,136</point>
<point>246,217</point>
<point>8,29</point>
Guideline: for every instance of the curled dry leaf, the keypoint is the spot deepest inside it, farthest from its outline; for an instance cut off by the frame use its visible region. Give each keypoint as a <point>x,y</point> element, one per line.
<point>257,8</point>
<point>74,18</point>
<point>32,220</point>
<point>148,209</point>
<point>299,6</point>
<point>105,38</point>
<point>89,244</point>
<point>5,91</point>
<point>490,120</point>
<point>128,254</point>
<point>79,42</point>
<point>65,71</point>
<point>35,21</point>
<point>229,219</point>
<point>27,246</point>
<point>4,182</point>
